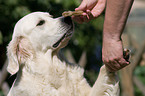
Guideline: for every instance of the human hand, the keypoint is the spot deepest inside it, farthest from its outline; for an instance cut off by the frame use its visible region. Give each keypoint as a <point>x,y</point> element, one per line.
<point>112,55</point>
<point>92,9</point>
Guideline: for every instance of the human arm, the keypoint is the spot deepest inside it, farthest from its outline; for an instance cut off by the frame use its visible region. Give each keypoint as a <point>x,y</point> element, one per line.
<point>115,19</point>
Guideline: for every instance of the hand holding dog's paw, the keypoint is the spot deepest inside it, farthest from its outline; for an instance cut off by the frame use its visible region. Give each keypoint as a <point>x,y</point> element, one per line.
<point>113,55</point>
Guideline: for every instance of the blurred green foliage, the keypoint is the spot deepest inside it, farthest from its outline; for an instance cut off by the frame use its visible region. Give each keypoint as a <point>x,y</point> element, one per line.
<point>1,93</point>
<point>140,74</point>
<point>1,38</point>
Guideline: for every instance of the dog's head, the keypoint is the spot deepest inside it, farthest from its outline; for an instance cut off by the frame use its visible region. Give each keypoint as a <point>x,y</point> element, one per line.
<point>37,32</point>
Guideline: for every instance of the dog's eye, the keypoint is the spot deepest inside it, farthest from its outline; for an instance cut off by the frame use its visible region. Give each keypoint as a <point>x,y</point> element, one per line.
<point>41,22</point>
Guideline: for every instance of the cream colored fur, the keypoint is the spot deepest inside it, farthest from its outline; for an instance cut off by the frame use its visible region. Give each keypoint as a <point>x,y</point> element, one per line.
<point>41,72</point>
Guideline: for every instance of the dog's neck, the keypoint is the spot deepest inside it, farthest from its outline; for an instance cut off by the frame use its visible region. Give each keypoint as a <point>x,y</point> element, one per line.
<point>42,60</point>
<point>43,67</point>
<point>49,69</point>
<point>45,64</point>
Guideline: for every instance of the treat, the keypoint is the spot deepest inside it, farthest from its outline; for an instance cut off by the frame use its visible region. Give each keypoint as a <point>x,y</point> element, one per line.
<point>71,13</point>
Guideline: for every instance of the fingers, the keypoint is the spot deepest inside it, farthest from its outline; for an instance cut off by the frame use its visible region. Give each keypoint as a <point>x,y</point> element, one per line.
<point>86,6</point>
<point>89,15</point>
<point>86,17</point>
<point>78,19</point>
<point>115,65</point>
<point>82,7</point>
<point>112,66</point>
<point>99,8</point>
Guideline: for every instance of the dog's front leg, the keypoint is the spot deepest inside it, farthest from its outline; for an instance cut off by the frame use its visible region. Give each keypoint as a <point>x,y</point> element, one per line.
<point>107,84</point>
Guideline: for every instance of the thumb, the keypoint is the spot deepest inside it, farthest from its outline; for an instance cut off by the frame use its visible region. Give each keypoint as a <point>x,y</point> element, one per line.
<point>123,62</point>
<point>97,10</point>
<point>82,7</point>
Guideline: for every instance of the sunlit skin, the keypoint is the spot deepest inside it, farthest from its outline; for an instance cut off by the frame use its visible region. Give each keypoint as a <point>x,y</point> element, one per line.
<point>116,15</point>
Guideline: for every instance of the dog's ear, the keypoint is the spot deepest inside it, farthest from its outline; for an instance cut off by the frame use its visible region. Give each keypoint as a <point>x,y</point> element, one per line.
<point>19,50</point>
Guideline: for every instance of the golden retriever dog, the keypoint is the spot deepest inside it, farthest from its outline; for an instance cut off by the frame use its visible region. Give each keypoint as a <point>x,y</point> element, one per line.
<point>33,54</point>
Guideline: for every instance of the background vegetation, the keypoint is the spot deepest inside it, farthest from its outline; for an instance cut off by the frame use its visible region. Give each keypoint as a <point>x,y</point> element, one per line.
<point>87,36</point>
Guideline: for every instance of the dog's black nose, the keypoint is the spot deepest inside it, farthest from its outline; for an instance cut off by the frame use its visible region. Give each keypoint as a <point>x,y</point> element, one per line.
<point>67,20</point>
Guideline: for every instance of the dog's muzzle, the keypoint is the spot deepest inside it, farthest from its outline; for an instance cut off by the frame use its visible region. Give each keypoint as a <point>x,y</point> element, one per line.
<point>68,22</point>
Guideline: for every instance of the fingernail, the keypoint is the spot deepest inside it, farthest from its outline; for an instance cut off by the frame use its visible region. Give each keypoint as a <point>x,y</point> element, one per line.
<point>88,11</point>
<point>76,9</point>
<point>128,63</point>
<point>84,13</point>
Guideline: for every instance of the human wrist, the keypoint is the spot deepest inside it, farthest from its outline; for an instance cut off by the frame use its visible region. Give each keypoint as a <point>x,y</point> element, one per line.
<point>108,36</point>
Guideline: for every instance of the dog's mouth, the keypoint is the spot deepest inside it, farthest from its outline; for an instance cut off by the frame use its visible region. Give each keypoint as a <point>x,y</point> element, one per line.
<point>67,35</point>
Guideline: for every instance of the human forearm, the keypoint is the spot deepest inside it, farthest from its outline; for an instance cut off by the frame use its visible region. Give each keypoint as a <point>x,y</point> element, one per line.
<point>115,18</point>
